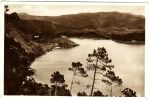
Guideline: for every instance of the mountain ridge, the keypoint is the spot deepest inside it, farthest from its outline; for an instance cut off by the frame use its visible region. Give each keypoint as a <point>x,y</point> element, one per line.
<point>98,20</point>
<point>109,25</point>
<point>22,14</point>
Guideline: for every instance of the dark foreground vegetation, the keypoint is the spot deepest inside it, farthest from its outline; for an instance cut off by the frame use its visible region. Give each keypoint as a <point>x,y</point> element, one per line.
<point>18,78</point>
<point>18,74</point>
<point>20,52</point>
<point>22,47</point>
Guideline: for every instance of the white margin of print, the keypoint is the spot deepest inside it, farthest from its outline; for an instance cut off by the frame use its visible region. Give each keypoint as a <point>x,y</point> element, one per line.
<point>108,2</point>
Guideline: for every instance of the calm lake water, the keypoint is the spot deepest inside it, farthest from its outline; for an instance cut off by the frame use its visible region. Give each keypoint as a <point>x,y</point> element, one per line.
<point>128,60</point>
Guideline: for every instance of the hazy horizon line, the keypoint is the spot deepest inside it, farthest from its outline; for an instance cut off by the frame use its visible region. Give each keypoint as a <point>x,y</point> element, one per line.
<point>81,13</point>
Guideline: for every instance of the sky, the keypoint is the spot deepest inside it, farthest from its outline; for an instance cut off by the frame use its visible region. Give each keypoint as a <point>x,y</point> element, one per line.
<point>73,8</point>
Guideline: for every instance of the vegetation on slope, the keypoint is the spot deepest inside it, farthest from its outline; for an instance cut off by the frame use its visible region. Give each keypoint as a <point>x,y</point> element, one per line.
<point>21,49</point>
<point>20,52</point>
<point>122,27</point>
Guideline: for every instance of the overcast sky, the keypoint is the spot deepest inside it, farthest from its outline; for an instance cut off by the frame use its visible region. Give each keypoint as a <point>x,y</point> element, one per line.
<point>64,8</point>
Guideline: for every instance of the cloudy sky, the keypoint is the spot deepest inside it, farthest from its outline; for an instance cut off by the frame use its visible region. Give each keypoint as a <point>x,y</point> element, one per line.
<point>57,9</point>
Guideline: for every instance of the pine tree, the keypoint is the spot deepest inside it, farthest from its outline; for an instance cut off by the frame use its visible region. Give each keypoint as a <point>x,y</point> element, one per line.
<point>99,63</point>
<point>59,87</point>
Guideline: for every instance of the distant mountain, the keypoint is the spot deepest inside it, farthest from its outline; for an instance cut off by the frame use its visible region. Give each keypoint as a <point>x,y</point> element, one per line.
<point>115,25</point>
<point>92,20</point>
<point>28,36</point>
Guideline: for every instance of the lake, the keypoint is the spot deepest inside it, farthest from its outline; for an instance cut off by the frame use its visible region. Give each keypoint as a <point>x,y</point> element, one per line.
<point>128,60</point>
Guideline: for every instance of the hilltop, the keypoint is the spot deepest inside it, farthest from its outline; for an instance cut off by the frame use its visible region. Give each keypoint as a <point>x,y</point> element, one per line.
<point>110,25</point>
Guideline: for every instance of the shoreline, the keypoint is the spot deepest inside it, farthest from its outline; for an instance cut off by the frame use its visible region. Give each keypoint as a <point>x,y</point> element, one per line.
<point>69,38</point>
<point>119,41</point>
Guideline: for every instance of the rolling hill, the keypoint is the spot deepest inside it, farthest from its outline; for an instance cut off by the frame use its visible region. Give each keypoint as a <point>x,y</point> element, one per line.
<point>113,25</point>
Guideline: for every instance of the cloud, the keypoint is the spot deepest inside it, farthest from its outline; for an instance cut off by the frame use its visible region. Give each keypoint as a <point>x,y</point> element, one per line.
<point>26,7</point>
<point>62,9</point>
<point>37,10</point>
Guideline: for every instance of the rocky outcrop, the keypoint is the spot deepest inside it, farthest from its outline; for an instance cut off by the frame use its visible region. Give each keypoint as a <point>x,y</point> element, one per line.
<point>29,44</point>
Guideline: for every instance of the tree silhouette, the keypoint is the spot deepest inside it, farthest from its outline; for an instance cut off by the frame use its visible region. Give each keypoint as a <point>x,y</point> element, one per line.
<point>81,94</point>
<point>30,87</point>
<point>57,78</point>
<point>129,92</point>
<point>6,8</point>
<point>98,93</point>
<point>99,62</point>
<point>112,80</point>
<point>59,87</point>
<point>61,91</point>
<point>77,70</point>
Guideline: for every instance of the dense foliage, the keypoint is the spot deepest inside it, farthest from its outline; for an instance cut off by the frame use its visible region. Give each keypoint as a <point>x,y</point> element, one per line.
<point>59,87</point>
<point>16,68</point>
<point>18,74</point>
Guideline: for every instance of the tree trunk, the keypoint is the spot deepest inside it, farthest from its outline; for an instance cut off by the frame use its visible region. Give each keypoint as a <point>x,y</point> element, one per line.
<point>72,81</point>
<point>111,91</point>
<point>94,78</point>
<point>56,89</point>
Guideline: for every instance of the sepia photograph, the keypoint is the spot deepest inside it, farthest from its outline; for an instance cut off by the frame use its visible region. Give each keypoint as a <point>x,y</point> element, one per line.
<point>74,49</point>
